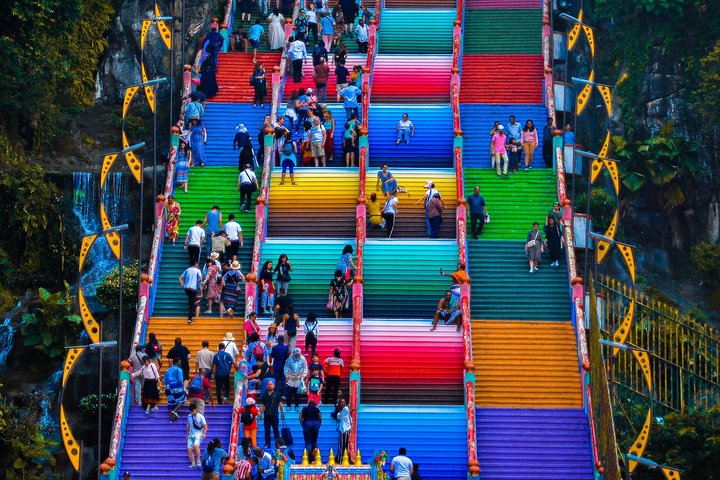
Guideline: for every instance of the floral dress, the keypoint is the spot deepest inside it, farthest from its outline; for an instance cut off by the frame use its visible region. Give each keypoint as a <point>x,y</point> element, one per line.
<point>214,288</point>
<point>172,222</point>
<point>534,251</point>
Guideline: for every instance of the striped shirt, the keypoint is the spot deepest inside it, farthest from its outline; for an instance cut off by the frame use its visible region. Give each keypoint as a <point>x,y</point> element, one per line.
<point>243,470</point>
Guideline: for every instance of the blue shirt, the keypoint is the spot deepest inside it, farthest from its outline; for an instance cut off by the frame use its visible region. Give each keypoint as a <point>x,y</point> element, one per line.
<point>279,354</point>
<point>223,362</point>
<point>513,131</point>
<point>214,221</point>
<point>173,375</point>
<point>326,27</point>
<point>476,204</point>
<point>217,456</point>
<point>316,133</point>
<point>255,32</point>
<point>303,98</point>
<point>192,277</point>
<point>266,464</point>
<point>569,138</point>
<point>350,94</point>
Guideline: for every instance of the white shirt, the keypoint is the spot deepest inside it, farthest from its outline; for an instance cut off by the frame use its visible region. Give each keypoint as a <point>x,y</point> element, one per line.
<point>391,205</point>
<point>311,16</point>
<point>362,32</point>
<point>195,236</point>
<point>297,50</point>
<point>231,348</point>
<point>232,228</point>
<point>403,466</point>
<point>198,418</point>
<point>248,176</point>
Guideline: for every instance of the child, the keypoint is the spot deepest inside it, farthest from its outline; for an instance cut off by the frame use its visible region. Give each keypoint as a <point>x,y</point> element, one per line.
<point>317,364</point>
<point>315,386</point>
<point>514,150</point>
<point>311,333</point>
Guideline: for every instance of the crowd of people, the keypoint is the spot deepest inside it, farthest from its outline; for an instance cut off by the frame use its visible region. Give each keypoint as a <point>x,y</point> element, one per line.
<point>511,143</point>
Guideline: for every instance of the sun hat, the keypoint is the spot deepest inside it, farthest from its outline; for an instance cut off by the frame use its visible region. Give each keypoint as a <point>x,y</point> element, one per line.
<point>214,255</point>
<point>429,184</point>
<point>229,336</point>
<point>296,351</point>
<point>235,265</point>
<point>501,127</point>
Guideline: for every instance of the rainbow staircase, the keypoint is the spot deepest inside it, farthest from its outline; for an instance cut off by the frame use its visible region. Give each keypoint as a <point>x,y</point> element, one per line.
<point>529,415</point>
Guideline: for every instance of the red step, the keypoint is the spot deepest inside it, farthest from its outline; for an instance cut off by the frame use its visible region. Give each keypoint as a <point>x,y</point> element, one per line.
<point>483,79</point>
<point>233,76</point>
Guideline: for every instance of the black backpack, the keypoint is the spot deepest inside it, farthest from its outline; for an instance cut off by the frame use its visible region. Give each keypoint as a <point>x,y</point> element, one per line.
<point>246,417</point>
<point>208,464</point>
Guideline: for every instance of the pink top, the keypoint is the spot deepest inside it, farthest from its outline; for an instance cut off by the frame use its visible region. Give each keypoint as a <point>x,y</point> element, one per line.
<point>527,136</point>
<point>251,327</point>
<point>498,143</point>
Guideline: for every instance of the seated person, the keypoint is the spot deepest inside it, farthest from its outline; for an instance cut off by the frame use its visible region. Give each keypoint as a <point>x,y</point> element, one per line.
<point>447,314</point>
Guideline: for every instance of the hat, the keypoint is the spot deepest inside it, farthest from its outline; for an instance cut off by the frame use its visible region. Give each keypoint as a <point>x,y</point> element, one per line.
<point>229,336</point>
<point>214,255</point>
<point>501,127</point>
<point>428,184</point>
<point>250,401</point>
<point>241,128</point>
<point>296,351</point>
<point>235,265</point>
<point>309,90</point>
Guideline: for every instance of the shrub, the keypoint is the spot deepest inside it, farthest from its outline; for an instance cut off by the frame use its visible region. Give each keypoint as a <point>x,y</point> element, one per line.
<point>88,403</point>
<point>50,327</point>
<point>705,257</point>
<point>108,288</point>
<point>602,207</point>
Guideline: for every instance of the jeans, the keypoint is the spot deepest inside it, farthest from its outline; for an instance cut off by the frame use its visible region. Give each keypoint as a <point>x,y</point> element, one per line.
<point>403,135</point>
<point>311,428</point>
<point>477,222</point>
<point>514,160</point>
<point>222,386</point>
<point>263,6</point>
<point>302,118</point>
<point>137,385</point>
<point>350,110</point>
<point>435,226</point>
<point>321,92</point>
<point>193,253</point>
<point>270,421</point>
<point>191,293</point>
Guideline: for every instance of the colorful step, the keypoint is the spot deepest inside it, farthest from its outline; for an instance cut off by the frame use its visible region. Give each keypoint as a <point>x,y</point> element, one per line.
<point>403,362</point>
<point>398,33</point>
<point>543,444</point>
<point>476,120</point>
<point>168,442</point>
<point>430,147</point>
<point>503,31</point>
<point>513,203</point>
<point>314,262</point>
<point>425,4</point>
<point>321,204</point>
<point>505,378</point>
<point>402,277</point>
<point>410,219</point>
<point>480,79</point>
<point>309,82</point>
<point>435,437</point>
<point>233,76</point>
<point>220,121</point>
<point>411,79</point>
<point>501,4</point>
<point>502,287</point>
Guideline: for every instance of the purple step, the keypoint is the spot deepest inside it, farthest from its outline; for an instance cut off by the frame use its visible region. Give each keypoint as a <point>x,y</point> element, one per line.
<point>542,444</point>
<point>157,449</point>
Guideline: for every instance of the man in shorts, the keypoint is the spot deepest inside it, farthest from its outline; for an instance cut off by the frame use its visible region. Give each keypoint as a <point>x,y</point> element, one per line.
<point>196,431</point>
<point>447,314</point>
<point>317,142</point>
<point>254,34</point>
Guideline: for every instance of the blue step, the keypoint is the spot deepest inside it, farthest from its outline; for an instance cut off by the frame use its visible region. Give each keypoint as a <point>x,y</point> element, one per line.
<point>435,437</point>
<point>430,147</point>
<point>476,120</point>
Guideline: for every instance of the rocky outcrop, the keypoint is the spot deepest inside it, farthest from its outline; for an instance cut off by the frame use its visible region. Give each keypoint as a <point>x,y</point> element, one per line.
<point>664,94</point>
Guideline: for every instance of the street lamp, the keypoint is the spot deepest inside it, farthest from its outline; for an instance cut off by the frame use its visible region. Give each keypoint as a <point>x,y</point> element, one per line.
<point>172,59</point>
<point>100,346</point>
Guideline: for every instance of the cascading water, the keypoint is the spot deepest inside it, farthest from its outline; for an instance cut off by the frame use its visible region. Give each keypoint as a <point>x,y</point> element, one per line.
<point>7,334</point>
<point>86,205</point>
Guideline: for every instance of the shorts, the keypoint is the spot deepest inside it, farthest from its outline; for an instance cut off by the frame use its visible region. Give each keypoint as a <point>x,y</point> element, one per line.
<point>348,145</point>
<point>254,43</point>
<point>199,403</point>
<point>194,439</point>
<point>340,86</point>
<point>317,149</point>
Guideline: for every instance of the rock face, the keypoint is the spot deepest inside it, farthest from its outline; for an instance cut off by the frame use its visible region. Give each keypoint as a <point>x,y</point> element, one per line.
<point>664,93</point>
<point>121,65</point>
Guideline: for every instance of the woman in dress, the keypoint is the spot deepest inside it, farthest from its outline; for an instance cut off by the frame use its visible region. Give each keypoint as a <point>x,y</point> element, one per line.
<point>338,295</point>
<point>231,289</point>
<point>259,86</point>
<point>267,288</point>
<point>198,140</point>
<point>385,180</point>
<point>330,129</point>
<point>172,219</point>
<point>534,247</point>
<point>276,33</point>
<point>183,163</point>
<point>553,240</point>
<point>213,287</point>
<point>151,379</point>
<point>339,26</point>
<point>283,269</point>
<point>208,78</point>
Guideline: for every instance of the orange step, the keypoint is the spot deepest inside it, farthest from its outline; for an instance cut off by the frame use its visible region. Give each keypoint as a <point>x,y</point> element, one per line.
<point>525,365</point>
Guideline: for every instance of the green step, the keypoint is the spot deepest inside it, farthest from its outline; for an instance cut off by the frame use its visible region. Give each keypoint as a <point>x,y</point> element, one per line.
<point>416,32</point>
<point>313,262</point>
<point>505,31</point>
<point>402,278</point>
<point>502,287</point>
<point>513,202</point>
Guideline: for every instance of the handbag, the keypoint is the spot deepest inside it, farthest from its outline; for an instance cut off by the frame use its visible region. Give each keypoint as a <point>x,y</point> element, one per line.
<point>286,434</point>
<point>534,241</point>
<point>329,305</point>
<point>302,387</point>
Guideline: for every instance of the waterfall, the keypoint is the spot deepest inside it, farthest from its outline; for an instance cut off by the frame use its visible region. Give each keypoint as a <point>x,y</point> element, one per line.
<point>86,205</point>
<point>7,334</point>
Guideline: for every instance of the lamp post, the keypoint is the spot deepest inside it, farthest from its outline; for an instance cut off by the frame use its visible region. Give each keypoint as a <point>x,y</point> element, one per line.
<point>172,58</point>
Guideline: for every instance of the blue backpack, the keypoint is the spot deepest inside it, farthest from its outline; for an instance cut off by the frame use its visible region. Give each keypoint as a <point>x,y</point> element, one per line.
<point>196,385</point>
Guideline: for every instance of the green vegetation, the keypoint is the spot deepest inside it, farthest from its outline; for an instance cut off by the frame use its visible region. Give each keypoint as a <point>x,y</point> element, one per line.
<point>88,404</point>
<point>108,288</point>
<point>705,257</point>
<point>602,207</point>
<point>708,94</point>
<point>50,326</point>
<point>25,452</point>
<point>50,53</point>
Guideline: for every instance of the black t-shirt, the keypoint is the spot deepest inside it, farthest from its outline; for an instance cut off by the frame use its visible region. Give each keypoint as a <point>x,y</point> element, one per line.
<point>283,302</point>
<point>341,73</point>
<point>311,413</point>
<point>182,353</point>
<point>271,403</point>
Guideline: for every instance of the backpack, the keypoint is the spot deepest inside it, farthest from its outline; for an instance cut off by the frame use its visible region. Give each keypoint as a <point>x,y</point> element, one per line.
<point>196,385</point>
<point>208,464</point>
<point>246,417</point>
<point>258,350</point>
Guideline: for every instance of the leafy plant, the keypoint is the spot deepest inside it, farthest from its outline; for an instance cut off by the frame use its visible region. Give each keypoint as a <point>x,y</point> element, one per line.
<point>662,164</point>
<point>49,327</point>
<point>705,257</point>
<point>708,92</point>
<point>108,288</point>
<point>602,207</point>
<point>88,403</point>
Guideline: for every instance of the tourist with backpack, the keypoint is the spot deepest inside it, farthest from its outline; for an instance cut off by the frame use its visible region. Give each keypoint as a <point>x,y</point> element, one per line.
<point>213,460</point>
<point>256,350</point>
<point>199,390</point>
<point>196,431</point>
<point>174,389</point>
<point>288,160</point>
<point>248,419</point>
<point>222,364</point>
<point>312,330</point>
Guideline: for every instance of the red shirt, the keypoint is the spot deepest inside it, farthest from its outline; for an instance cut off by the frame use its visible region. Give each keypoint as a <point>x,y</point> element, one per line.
<point>205,388</point>
<point>254,412</point>
<point>333,366</point>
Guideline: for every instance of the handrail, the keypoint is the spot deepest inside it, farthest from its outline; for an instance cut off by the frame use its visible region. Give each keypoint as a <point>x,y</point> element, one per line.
<point>361,234</point>
<point>576,282</point>
<point>238,402</point>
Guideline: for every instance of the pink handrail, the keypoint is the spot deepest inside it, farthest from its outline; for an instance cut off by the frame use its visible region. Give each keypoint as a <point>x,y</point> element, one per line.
<point>576,282</point>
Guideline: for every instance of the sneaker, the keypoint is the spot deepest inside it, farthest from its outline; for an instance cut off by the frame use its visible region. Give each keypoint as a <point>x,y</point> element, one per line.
<point>526,169</point>
<point>190,322</point>
<point>174,415</point>
<point>226,400</point>
<point>192,465</point>
<point>536,269</point>
<point>531,271</point>
<point>198,464</point>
